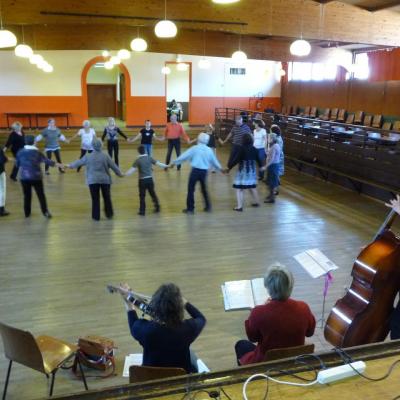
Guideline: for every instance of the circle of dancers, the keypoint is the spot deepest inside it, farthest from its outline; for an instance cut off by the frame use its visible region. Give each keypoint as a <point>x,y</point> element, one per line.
<point>249,149</point>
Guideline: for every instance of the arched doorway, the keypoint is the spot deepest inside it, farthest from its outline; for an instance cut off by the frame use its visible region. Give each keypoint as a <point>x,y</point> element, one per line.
<point>102,95</point>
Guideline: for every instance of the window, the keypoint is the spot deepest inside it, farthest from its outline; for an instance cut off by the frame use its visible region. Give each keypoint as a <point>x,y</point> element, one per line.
<point>361,70</point>
<point>237,71</point>
<point>299,71</point>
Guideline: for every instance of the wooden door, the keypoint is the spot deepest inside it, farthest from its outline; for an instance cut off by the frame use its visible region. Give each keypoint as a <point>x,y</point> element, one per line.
<point>102,100</point>
<point>122,97</point>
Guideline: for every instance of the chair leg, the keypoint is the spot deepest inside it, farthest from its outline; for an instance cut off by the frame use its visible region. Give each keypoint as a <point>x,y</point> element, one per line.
<point>82,373</point>
<point>53,377</point>
<point>7,379</point>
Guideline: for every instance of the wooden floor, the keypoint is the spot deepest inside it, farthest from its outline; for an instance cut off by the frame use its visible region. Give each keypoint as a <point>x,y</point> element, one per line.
<point>53,273</point>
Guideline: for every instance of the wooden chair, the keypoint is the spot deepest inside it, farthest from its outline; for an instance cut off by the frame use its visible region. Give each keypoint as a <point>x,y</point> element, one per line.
<point>396,126</point>
<point>350,119</point>
<point>377,121</point>
<point>358,117</point>
<point>44,354</point>
<point>341,115</point>
<point>138,373</point>
<point>367,120</point>
<point>325,115</point>
<point>387,126</point>
<point>287,352</point>
<point>313,112</point>
<point>283,112</point>
<point>306,112</point>
<point>293,110</point>
<point>334,114</point>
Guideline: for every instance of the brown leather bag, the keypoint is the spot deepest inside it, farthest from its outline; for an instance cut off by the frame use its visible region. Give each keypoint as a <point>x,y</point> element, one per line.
<point>97,352</point>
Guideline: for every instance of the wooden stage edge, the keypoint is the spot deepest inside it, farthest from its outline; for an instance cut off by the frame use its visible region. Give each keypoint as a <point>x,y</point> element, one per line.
<point>375,355</point>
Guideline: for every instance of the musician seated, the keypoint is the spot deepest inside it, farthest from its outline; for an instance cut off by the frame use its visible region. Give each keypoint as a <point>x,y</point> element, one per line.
<point>280,322</point>
<point>167,338</point>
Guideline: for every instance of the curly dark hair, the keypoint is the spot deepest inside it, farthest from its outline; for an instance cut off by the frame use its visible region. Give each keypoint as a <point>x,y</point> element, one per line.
<point>276,129</point>
<point>167,305</point>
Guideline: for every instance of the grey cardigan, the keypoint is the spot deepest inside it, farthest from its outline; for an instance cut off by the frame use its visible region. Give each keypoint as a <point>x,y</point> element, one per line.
<point>97,167</point>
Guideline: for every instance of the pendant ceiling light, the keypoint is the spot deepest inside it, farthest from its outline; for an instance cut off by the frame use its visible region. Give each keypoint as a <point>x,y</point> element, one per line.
<point>124,54</point>
<point>166,70</point>
<point>35,59</point>
<point>239,56</point>
<point>23,50</point>
<point>114,60</point>
<point>300,47</point>
<point>165,28</point>
<point>7,38</point>
<point>138,44</point>
<point>204,63</point>
<point>48,68</point>
<point>105,53</point>
<point>108,65</point>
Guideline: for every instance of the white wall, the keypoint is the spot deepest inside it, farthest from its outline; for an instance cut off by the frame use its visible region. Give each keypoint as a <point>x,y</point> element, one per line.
<point>102,75</point>
<point>178,85</point>
<point>18,77</point>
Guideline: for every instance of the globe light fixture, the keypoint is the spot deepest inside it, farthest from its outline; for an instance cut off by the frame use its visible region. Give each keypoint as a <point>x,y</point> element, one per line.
<point>124,54</point>
<point>108,65</point>
<point>139,44</point>
<point>105,53</point>
<point>182,67</point>
<point>204,64</point>
<point>7,39</point>
<point>165,29</point>
<point>48,68</point>
<point>23,50</point>
<point>35,59</point>
<point>239,56</point>
<point>300,48</point>
<point>41,64</point>
<point>114,60</point>
<point>166,70</point>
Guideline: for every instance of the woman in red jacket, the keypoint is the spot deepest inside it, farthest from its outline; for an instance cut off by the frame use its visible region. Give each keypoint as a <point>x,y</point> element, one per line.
<point>280,322</point>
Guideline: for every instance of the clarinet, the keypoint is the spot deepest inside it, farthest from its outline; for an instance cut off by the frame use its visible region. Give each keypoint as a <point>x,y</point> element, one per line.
<point>134,299</point>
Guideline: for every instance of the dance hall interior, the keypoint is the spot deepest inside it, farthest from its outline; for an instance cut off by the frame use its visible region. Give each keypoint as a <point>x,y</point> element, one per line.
<point>198,199</point>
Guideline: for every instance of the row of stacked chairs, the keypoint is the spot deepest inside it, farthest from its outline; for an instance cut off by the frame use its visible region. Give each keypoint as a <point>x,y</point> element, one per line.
<point>340,115</point>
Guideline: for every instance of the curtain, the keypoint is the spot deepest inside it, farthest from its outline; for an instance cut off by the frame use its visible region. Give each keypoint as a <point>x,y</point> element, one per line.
<point>384,65</point>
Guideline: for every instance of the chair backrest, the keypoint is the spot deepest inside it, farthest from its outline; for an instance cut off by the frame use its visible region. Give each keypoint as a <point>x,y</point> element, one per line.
<point>367,120</point>
<point>313,112</point>
<point>387,125</point>
<point>334,113</point>
<point>306,111</point>
<point>283,110</point>
<point>350,119</point>
<point>358,117</point>
<point>326,113</point>
<point>21,347</point>
<point>396,126</point>
<point>341,114</point>
<point>376,122</point>
<point>138,373</point>
<point>286,352</point>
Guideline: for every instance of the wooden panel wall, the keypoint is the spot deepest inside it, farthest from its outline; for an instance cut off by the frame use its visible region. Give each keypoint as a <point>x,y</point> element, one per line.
<point>370,97</point>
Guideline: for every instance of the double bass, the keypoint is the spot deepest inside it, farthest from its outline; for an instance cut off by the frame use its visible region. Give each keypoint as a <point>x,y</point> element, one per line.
<point>362,316</point>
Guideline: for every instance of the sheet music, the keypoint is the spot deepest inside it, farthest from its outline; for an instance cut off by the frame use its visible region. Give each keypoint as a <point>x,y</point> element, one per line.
<point>238,295</point>
<point>131,359</point>
<point>315,262</point>
<point>260,293</point>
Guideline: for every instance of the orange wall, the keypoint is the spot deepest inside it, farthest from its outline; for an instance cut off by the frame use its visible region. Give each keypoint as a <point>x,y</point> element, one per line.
<point>138,109</point>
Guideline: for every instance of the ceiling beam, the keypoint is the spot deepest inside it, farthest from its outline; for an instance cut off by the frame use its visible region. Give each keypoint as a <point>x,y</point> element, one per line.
<point>383,6</point>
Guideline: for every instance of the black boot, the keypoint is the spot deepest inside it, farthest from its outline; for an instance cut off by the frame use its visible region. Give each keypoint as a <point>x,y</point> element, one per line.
<point>3,212</point>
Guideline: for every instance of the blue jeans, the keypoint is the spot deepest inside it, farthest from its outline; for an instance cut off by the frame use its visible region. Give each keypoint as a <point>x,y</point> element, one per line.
<point>149,149</point>
<point>262,155</point>
<point>173,144</point>
<point>197,175</point>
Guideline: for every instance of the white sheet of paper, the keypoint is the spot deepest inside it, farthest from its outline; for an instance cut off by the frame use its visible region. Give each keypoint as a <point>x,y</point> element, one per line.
<point>315,262</point>
<point>322,260</point>
<point>260,293</point>
<point>131,359</point>
<point>238,295</point>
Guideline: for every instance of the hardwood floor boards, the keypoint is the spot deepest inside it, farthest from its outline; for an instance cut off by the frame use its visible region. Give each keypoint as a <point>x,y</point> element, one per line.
<point>53,273</point>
